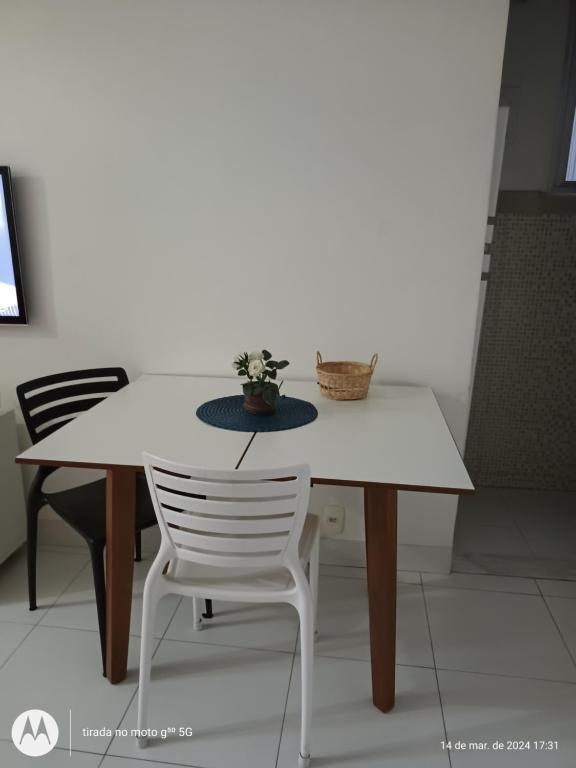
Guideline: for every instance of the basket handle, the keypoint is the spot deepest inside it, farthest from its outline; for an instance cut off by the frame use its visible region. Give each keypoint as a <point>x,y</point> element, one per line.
<point>318,358</point>
<point>373,361</point>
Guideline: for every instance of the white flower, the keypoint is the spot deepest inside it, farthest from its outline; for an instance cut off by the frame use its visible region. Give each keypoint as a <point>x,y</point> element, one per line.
<point>256,367</point>
<point>255,356</point>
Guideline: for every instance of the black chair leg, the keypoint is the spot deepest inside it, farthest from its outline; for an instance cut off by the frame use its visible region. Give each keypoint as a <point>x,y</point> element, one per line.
<point>208,614</point>
<point>31,550</point>
<point>97,555</point>
<point>138,546</point>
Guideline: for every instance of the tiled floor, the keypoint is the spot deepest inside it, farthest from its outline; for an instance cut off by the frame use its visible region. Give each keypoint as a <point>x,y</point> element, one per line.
<point>481,659</point>
<point>513,532</point>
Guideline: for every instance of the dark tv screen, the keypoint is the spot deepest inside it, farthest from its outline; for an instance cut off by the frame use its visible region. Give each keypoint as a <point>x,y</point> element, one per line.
<point>12,308</point>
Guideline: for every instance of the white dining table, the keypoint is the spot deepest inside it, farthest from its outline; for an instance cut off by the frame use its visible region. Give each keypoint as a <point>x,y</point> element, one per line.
<point>396,439</point>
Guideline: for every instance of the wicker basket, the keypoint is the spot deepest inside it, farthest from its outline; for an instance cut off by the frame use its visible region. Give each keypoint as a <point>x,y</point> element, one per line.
<point>344,380</point>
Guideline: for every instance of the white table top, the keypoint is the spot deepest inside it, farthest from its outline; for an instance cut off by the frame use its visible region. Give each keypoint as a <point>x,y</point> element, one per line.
<point>153,413</point>
<point>397,436</point>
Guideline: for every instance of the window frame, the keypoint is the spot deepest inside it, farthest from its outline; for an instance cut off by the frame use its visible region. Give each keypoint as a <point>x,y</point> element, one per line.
<point>567,113</point>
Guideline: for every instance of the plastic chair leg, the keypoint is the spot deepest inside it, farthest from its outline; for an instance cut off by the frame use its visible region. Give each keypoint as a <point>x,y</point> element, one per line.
<point>314,567</point>
<point>31,550</point>
<point>138,546</point>
<point>97,557</point>
<point>196,616</point>
<point>150,603</point>
<point>306,612</point>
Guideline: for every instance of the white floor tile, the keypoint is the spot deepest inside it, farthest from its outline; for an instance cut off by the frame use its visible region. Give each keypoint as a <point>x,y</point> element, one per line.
<point>480,539</point>
<point>498,633</point>
<point>233,699</point>
<point>151,539</point>
<point>344,571</point>
<point>349,732</point>
<point>486,708</point>
<point>515,565</point>
<point>556,568</point>
<point>67,549</point>
<point>351,572</point>
<point>126,762</point>
<point>343,625</point>
<point>488,506</point>
<point>268,627</point>
<point>76,607</point>
<point>55,570</point>
<point>60,669</point>
<point>537,536</point>
<point>11,635</point>
<point>468,564</point>
<point>548,520</point>
<point>531,507</point>
<point>483,582</point>
<point>10,757</point>
<point>557,542</point>
<point>408,577</point>
<point>342,552</point>
<point>564,612</point>
<point>432,559</point>
<point>557,588</point>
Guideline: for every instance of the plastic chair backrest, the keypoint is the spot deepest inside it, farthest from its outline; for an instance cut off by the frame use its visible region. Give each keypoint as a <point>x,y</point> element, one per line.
<point>229,518</point>
<point>50,402</point>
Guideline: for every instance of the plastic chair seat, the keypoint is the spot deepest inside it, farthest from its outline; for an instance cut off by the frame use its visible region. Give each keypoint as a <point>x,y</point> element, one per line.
<point>82,507</point>
<point>214,582</point>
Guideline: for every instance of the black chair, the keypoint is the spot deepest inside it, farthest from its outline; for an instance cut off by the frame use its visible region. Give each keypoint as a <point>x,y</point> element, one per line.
<point>47,404</point>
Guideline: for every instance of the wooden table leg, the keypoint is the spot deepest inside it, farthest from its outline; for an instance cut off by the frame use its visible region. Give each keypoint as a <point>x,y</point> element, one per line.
<point>120,511</point>
<point>380,512</point>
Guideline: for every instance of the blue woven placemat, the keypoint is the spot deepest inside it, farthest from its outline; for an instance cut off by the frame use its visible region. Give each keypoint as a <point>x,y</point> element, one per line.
<point>229,413</point>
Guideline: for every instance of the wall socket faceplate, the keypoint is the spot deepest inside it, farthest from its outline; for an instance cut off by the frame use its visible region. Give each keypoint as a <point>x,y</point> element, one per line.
<point>332,519</point>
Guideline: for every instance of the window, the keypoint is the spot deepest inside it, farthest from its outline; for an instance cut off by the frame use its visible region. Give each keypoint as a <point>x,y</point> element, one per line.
<point>571,167</point>
<point>566,173</point>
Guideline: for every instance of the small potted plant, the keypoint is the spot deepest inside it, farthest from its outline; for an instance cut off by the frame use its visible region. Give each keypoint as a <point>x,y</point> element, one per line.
<point>260,391</point>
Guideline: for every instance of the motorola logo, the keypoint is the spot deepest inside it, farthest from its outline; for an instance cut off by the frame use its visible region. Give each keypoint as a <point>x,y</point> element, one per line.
<point>35,732</point>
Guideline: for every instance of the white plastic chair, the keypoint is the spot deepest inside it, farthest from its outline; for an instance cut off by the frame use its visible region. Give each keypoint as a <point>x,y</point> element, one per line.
<point>238,536</point>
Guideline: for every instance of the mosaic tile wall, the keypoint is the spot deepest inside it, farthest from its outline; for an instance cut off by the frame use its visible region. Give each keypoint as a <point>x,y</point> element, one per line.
<point>522,431</point>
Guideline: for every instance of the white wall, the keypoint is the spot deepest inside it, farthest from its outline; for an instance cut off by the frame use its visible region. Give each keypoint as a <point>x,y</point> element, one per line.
<point>532,86</point>
<point>196,178</point>
<point>13,516</point>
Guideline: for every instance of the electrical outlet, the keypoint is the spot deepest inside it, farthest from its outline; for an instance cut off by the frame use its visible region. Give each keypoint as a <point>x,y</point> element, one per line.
<point>332,520</point>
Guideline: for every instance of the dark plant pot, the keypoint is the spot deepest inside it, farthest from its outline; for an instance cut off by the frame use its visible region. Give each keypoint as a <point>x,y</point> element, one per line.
<point>256,405</point>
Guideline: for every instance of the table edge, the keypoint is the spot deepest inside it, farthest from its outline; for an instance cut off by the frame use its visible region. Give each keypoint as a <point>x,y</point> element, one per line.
<point>315,480</point>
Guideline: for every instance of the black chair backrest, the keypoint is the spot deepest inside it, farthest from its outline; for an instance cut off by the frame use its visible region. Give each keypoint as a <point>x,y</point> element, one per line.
<point>52,401</point>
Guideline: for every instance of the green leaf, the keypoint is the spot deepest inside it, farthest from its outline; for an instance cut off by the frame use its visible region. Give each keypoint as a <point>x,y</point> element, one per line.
<point>271,374</point>
<point>266,355</point>
<point>271,363</point>
<point>282,364</point>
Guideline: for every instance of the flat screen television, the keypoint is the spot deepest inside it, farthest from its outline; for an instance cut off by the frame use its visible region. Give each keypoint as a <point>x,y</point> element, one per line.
<point>12,307</point>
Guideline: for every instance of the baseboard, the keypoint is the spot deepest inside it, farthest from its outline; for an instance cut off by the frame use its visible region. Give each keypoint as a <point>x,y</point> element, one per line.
<point>414,557</point>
